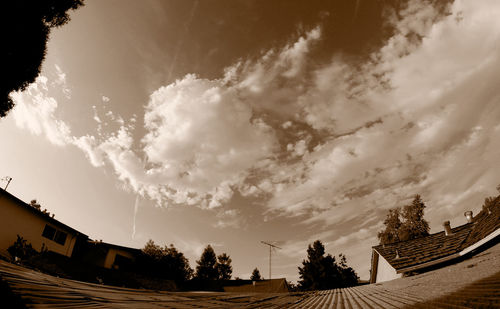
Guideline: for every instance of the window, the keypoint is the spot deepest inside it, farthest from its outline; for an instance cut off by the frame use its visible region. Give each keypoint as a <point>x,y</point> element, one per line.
<point>55,235</point>
<point>60,237</point>
<point>49,232</point>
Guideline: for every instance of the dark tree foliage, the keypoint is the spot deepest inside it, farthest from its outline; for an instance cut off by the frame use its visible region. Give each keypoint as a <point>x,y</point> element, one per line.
<point>405,223</point>
<point>320,272</point>
<point>488,203</point>
<point>256,275</point>
<point>167,262</point>
<point>25,30</point>
<point>224,268</point>
<point>207,265</point>
<point>21,249</point>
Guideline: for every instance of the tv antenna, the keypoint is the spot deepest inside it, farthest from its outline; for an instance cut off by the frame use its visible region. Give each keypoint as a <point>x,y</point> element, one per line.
<point>271,246</point>
<point>8,180</point>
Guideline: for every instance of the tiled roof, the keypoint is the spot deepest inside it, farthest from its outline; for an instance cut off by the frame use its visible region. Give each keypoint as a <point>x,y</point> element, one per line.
<point>473,283</point>
<point>437,246</point>
<point>264,286</point>
<point>485,224</point>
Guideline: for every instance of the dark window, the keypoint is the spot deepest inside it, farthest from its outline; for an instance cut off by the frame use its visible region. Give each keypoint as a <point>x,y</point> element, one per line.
<point>122,262</point>
<point>60,237</point>
<point>49,232</point>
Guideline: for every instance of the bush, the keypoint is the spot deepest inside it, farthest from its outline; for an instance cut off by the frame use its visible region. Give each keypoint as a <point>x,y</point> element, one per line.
<point>21,249</point>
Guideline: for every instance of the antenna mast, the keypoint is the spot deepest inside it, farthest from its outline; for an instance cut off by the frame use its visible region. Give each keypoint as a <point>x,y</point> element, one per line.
<point>270,249</point>
<point>8,179</point>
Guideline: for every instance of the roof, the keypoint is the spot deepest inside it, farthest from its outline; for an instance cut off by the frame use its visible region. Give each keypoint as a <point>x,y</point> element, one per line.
<point>118,247</point>
<point>473,283</point>
<point>262,286</point>
<point>438,247</point>
<point>38,213</point>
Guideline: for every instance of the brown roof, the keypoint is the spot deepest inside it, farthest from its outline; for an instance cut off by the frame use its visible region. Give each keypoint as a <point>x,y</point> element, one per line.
<point>485,223</point>
<point>263,286</point>
<point>108,245</point>
<point>473,283</point>
<point>439,246</point>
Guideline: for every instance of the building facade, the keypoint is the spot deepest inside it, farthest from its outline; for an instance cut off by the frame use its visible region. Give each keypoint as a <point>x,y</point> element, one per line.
<point>39,229</point>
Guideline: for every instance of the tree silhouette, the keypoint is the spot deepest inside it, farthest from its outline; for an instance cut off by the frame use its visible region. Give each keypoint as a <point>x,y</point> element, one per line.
<point>25,28</point>
<point>405,223</point>
<point>175,265</point>
<point>167,262</point>
<point>256,275</point>
<point>207,265</point>
<point>320,272</point>
<point>224,268</point>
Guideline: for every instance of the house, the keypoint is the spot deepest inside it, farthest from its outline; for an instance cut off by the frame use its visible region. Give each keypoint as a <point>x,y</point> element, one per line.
<point>392,261</point>
<point>262,286</point>
<point>36,226</point>
<point>109,255</point>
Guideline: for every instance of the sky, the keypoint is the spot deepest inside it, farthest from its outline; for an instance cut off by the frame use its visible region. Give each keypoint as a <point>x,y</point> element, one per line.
<point>234,122</point>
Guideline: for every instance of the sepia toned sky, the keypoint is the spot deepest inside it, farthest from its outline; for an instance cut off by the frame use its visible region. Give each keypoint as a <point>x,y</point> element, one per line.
<point>230,122</point>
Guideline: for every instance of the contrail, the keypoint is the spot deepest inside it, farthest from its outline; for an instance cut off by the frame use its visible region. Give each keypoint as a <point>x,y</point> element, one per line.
<point>136,208</point>
<point>356,10</point>
<point>187,24</point>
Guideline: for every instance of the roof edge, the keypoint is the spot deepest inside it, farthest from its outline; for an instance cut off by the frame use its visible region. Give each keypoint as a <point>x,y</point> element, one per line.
<point>465,251</point>
<point>483,241</point>
<point>427,264</point>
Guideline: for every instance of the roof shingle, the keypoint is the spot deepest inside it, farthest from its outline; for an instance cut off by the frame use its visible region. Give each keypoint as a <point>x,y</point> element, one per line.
<point>438,245</point>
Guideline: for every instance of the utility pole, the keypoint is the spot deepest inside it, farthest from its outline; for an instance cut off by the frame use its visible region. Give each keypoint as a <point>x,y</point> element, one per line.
<point>271,246</point>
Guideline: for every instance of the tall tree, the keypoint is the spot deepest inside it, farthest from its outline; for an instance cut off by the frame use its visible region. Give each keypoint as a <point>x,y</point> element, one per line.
<point>25,26</point>
<point>320,272</point>
<point>175,265</point>
<point>167,262</point>
<point>207,265</point>
<point>224,268</point>
<point>392,225</point>
<point>256,275</point>
<point>405,223</point>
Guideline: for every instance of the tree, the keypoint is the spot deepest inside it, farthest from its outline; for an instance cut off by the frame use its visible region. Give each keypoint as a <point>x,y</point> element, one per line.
<point>152,250</point>
<point>405,223</point>
<point>175,265</point>
<point>207,265</point>
<point>224,268</point>
<point>25,28</point>
<point>22,249</point>
<point>167,262</point>
<point>392,225</point>
<point>320,272</point>
<point>256,275</point>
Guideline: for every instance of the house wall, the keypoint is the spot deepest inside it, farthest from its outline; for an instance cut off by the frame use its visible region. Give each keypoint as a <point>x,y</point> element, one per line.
<point>112,252</point>
<point>385,272</point>
<point>15,219</point>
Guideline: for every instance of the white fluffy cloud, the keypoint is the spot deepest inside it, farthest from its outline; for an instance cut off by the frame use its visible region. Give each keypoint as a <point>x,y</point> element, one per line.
<point>334,142</point>
<point>202,139</point>
<point>437,115</point>
<point>35,111</point>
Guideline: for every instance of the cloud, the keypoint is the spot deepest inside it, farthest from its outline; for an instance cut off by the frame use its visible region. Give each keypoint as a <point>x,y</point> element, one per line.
<point>202,139</point>
<point>61,82</point>
<point>35,111</point>
<point>337,142</point>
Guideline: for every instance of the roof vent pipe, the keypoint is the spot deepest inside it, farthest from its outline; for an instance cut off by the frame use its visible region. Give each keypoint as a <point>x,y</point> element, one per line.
<point>447,228</point>
<point>468,216</point>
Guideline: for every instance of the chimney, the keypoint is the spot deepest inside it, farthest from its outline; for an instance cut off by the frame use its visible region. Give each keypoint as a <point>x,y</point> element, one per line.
<point>447,228</point>
<point>468,216</point>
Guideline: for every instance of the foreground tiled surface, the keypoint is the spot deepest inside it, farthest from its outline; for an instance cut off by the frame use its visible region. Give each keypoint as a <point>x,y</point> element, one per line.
<point>473,283</point>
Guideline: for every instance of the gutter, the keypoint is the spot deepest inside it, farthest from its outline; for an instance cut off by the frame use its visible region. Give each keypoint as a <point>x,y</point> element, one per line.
<point>469,249</point>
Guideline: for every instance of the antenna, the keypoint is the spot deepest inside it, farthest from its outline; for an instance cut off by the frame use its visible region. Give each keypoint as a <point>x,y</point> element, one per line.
<point>8,179</point>
<point>270,247</point>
